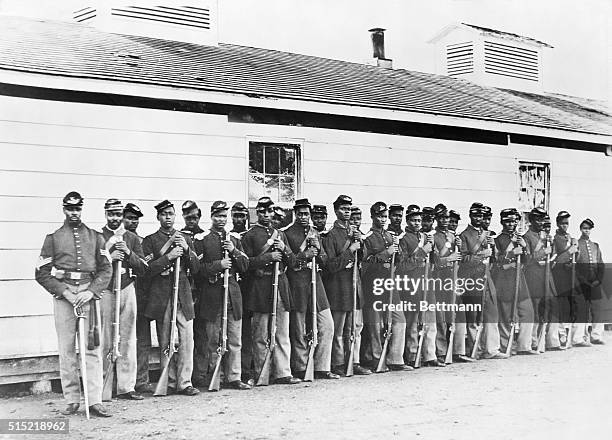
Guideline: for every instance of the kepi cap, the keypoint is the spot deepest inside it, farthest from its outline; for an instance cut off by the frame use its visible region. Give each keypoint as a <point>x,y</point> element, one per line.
<point>319,209</point>
<point>378,208</point>
<point>454,214</point>
<point>131,207</point>
<point>509,214</point>
<point>188,206</point>
<point>477,208</point>
<point>396,207</point>
<point>562,215</point>
<point>73,198</point>
<point>163,205</point>
<point>302,203</point>
<point>113,205</point>
<point>239,208</point>
<point>264,203</point>
<point>218,206</point>
<point>413,210</point>
<point>428,212</point>
<point>342,200</point>
<point>588,222</point>
<point>355,210</point>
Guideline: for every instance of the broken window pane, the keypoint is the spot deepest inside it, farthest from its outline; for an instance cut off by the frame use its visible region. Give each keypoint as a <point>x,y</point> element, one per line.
<point>271,158</point>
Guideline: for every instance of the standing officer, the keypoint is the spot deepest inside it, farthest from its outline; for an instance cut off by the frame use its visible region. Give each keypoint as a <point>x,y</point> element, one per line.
<point>446,253</point>
<point>415,251</point>
<point>379,248</point>
<point>340,245</point>
<point>396,214</point>
<point>477,248</point>
<point>73,267</point>
<point>210,250</point>
<point>161,249</point>
<point>509,245</point>
<point>565,248</point>
<point>539,247</point>
<point>125,247</point>
<point>131,219</point>
<point>319,217</point>
<point>265,246</point>
<point>305,243</point>
<point>590,271</point>
<point>240,216</point>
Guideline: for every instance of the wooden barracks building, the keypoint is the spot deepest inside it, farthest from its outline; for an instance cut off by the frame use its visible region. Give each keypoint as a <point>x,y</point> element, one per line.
<point>143,104</point>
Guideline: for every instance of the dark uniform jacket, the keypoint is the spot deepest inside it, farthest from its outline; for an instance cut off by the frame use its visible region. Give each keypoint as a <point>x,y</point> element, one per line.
<point>260,276</point>
<point>161,275</point>
<point>131,267</point>
<point>504,272</point>
<point>300,276</point>
<point>590,268</point>
<point>412,261</point>
<point>377,264</point>
<point>208,248</point>
<point>78,249</point>
<point>338,278</point>
<point>535,265</point>
<point>444,246</point>
<point>562,269</point>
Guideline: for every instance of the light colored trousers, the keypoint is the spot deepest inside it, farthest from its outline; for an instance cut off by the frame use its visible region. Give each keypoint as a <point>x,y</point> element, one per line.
<point>181,364</point>
<point>66,327</point>
<point>232,358</point>
<point>428,350</point>
<point>299,343</point>
<point>395,350</point>
<point>282,351</point>
<point>525,318</point>
<point>126,365</point>
<point>342,333</point>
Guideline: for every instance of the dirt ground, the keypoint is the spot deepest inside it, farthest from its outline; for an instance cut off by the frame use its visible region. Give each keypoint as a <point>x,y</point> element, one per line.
<point>557,395</point>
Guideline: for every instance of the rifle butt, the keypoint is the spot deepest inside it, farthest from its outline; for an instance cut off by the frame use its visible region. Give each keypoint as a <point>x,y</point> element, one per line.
<point>419,353</point>
<point>476,342</point>
<point>350,359</point>
<point>381,367</point>
<point>162,385</point>
<point>309,373</point>
<point>107,385</point>
<point>215,381</point>
<point>264,374</point>
<point>510,340</point>
<point>448,359</point>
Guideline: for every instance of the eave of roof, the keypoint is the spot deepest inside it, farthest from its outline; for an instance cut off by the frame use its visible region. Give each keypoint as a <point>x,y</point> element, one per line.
<point>68,50</point>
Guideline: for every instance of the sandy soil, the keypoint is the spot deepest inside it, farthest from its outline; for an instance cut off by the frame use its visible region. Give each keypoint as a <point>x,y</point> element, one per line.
<point>557,395</point>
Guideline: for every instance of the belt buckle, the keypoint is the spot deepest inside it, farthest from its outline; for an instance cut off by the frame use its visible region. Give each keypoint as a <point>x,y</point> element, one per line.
<point>75,275</point>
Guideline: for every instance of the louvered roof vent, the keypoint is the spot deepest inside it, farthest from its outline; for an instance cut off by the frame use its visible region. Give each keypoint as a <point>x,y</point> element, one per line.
<point>490,57</point>
<point>177,20</point>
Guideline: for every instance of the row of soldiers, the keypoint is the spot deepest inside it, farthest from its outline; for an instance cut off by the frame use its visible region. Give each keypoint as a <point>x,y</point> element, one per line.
<point>275,303</point>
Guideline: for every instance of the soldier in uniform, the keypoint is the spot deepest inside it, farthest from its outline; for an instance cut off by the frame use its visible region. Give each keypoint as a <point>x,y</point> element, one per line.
<point>428,215</point>
<point>355,219</point>
<point>319,217</point>
<point>278,220</point>
<point>415,251</point>
<point>508,246</point>
<point>453,221</point>
<point>74,269</point>
<point>131,219</point>
<point>240,216</point>
<point>590,272</point>
<point>340,245</point>
<point>396,214</point>
<point>218,251</point>
<point>379,248</point>
<point>445,253</point>
<point>265,246</point>
<point>477,248</point>
<point>565,248</point>
<point>487,216</point>
<point>125,247</point>
<point>161,249</point>
<point>305,243</point>
<point>539,248</point>
<point>191,215</point>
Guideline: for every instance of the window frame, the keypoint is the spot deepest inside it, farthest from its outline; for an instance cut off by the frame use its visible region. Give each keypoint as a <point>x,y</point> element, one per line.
<point>524,223</point>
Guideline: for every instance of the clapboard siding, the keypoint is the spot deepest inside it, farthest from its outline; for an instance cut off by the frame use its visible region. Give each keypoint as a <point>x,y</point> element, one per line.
<point>145,155</point>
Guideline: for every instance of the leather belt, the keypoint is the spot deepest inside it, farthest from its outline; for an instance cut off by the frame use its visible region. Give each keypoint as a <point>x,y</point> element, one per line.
<point>73,275</point>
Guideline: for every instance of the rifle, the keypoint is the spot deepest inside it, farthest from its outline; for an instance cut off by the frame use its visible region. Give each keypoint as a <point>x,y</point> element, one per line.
<point>309,373</point>
<point>80,315</point>
<point>451,328</point>
<point>514,324</point>
<point>568,343</point>
<point>215,381</point>
<point>351,353</point>
<point>482,307</point>
<point>382,361</point>
<point>544,321</point>
<point>421,327</point>
<point>162,385</point>
<point>264,374</point>
<point>114,353</point>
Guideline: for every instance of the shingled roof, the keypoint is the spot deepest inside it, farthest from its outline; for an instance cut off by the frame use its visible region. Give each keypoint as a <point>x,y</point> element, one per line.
<point>81,51</point>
